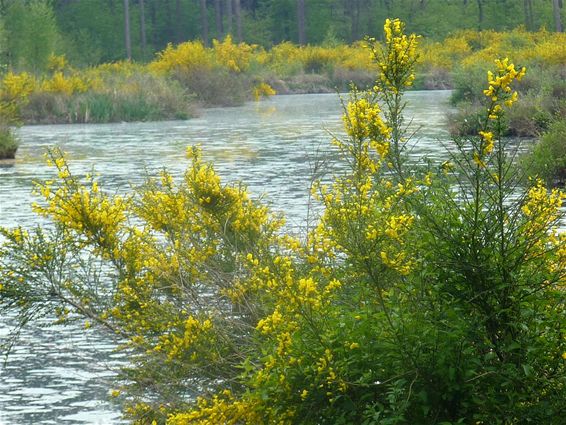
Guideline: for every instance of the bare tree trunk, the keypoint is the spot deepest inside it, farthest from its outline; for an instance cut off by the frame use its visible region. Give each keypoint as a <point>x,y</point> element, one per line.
<point>229,16</point>
<point>170,26</point>
<point>355,14</point>
<point>142,28</point>
<point>153,19</point>
<point>127,39</point>
<point>178,22</point>
<point>301,22</point>
<point>528,12</point>
<point>480,14</point>
<point>204,21</point>
<point>557,19</point>
<point>218,15</point>
<point>238,18</point>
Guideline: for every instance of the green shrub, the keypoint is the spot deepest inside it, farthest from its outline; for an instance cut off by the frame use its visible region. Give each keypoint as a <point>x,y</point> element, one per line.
<point>547,159</point>
<point>8,143</point>
<point>216,87</point>
<point>468,84</point>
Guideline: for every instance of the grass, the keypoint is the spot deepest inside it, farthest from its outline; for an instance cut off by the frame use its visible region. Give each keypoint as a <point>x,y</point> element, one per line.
<point>136,97</point>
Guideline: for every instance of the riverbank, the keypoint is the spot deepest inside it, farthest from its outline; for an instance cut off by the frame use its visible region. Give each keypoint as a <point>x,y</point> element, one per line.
<point>186,77</point>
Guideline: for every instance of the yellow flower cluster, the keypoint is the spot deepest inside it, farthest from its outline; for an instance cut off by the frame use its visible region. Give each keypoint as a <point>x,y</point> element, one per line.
<point>487,142</point>
<point>236,57</point>
<point>362,120</point>
<point>541,206</point>
<point>83,209</point>
<point>184,58</point>
<point>221,409</point>
<point>59,83</point>
<point>17,86</point>
<point>499,93</point>
<point>500,86</point>
<point>57,63</point>
<point>15,90</point>
<point>263,90</point>
<point>399,56</point>
<point>191,56</point>
<point>469,48</point>
<point>287,58</point>
<point>184,347</point>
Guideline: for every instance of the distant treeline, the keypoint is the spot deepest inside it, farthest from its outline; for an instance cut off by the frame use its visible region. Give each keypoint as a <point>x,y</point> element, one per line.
<point>90,32</point>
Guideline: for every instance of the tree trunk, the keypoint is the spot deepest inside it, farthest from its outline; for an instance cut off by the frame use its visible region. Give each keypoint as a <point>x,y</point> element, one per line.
<point>229,16</point>
<point>170,26</point>
<point>178,22</point>
<point>142,28</point>
<point>355,14</point>
<point>238,18</point>
<point>127,29</point>
<point>204,21</point>
<point>218,15</point>
<point>528,11</point>
<point>301,22</point>
<point>557,19</point>
<point>153,19</point>
<point>480,14</point>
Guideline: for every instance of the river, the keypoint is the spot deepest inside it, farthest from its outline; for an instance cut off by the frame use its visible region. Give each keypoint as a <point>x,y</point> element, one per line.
<point>61,375</point>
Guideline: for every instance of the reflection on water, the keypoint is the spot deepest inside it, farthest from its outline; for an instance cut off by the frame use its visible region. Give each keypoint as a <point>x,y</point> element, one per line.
<point>61,375</point>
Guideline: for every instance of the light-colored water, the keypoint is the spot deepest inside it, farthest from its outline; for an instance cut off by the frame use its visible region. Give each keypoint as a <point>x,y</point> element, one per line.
<point>61,375</point>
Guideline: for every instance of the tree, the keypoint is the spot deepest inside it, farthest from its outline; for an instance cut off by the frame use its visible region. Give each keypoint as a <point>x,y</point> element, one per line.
<point>142,29</point>
<point>31,34</point>
<point>127,40</point>
<point>218,18</point>
<point>528,11</point>
<point>354,12</point>
<point>556,12</point>
<point>238,18</point>
<point>480,14</point>
<point>178,21</point>
<point>229,16</point>
<point>3,51</point>
<point>204,21</point>
<point>301,22</point>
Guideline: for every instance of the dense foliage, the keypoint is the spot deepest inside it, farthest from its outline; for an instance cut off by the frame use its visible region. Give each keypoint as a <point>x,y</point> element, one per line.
<point>92,31</point>
<point>420,296</point>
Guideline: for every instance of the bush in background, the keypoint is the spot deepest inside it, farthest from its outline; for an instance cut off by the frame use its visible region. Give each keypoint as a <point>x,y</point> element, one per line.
<point>547,159</point>
<point>8,143</point>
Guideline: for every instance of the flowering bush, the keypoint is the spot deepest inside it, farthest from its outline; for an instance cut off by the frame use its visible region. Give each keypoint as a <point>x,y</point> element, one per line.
<point>423,294</point>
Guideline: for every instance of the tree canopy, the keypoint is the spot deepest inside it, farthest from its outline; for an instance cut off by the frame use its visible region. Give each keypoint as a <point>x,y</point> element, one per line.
<point>94,31</point>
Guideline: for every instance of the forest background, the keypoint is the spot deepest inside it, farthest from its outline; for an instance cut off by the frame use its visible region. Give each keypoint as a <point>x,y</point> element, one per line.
<point>91,32</point>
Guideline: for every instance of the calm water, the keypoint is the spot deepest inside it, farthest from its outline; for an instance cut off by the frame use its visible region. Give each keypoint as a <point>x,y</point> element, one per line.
<point>61,375</point>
